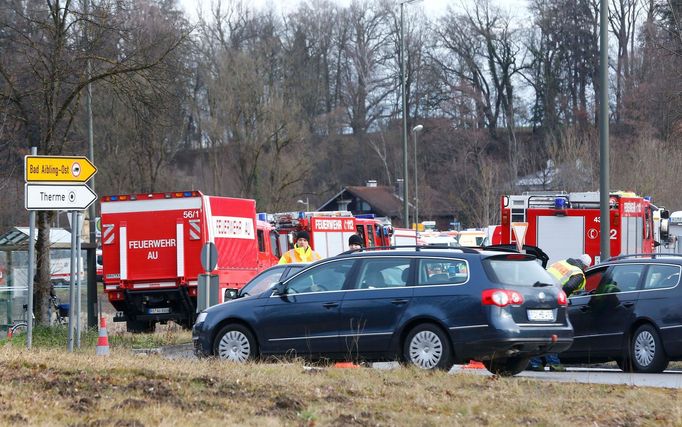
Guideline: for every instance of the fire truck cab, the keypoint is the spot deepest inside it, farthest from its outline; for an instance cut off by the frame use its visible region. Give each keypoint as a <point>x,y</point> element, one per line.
<point>329,231</point>
<point>565,225</point>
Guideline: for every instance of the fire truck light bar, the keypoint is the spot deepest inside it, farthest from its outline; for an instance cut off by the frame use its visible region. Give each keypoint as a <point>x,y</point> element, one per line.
<point>124,197</point>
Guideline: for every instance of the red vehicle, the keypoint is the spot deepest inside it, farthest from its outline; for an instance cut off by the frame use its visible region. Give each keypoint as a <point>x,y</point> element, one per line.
<point>566,225</point>
<point>329,231</point>
<point>151,246</point>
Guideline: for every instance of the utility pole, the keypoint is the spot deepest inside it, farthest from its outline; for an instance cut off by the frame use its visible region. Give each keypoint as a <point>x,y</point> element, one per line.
<point>604,211</point>
<point>406,212</point>
<point>92,246</point>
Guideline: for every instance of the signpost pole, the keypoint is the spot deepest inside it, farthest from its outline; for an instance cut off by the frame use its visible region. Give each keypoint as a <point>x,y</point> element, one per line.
<point>72,281</point>
<point>31,265</point>
<point>207,267</point>
<point>79,263</point>
<point>56,183</point>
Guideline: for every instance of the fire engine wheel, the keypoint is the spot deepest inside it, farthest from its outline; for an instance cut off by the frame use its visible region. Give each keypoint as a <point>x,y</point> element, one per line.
<point>428,347</point>
<point>140,326</point>
<point>236,343</point>
<point>646,351</point>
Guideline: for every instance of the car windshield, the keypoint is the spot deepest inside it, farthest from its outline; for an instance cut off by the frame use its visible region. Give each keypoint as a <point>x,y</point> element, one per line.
<point>517,270</point>
<point>268,279</point>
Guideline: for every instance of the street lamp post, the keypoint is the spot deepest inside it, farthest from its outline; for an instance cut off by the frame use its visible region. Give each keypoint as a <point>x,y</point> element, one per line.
<point>306,203</point>
<point>406,212</point>
<point>416,129</point>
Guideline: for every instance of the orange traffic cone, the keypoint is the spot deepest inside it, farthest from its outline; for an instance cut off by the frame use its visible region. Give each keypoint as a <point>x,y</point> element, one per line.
<point>474,364</point>
<point>103,338</point>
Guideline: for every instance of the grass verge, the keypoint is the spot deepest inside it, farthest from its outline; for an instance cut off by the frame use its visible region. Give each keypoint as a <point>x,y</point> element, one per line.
<point>48,386</point>
<point>56,337</point>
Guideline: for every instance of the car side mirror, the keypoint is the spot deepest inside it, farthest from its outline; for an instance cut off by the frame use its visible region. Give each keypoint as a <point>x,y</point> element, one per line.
<point>279,289</point>
<point>230,294</point>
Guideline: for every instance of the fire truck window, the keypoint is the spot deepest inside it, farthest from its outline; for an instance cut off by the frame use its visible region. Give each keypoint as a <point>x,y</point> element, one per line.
<point>361,231</point>
<point>647,223</point>
<point>261,241</point>
<point>274,244</point>
<point>370,235</point>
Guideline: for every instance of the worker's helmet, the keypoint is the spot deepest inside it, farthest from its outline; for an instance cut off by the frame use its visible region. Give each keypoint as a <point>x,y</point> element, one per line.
<point>585,259</point>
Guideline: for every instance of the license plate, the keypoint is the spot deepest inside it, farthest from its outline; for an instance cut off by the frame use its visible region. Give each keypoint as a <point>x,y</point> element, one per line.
<point>541,315</point>
<point>162,310</point>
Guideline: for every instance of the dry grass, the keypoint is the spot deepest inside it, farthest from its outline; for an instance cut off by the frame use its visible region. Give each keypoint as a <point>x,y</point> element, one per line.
<point>51,387</point>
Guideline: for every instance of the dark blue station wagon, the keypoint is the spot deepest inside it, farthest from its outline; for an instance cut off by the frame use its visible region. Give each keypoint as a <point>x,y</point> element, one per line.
<point>431,307</point>
<point>630,312</point>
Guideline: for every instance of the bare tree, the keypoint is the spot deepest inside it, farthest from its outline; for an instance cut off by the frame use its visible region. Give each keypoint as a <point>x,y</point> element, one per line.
<point>484,46</point>
<point>623,15</point>
<point>366,84</point>
<point>252,131</point>
<point>41,81</point>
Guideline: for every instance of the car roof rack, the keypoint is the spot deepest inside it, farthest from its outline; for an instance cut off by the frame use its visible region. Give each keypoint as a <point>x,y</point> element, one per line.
<point>418,248</point>
<point>649,255</point>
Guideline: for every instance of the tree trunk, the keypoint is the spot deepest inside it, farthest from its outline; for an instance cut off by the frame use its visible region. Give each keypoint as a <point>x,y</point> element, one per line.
<point>41,284</point>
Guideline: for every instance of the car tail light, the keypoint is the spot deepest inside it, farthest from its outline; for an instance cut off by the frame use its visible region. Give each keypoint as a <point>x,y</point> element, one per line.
<point>501,297</point>
<point>561,299</point>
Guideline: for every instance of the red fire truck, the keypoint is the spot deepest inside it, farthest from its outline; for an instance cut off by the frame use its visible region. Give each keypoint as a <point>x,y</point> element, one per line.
<point>151,248</point>
<point>566,225</point>
<point>329,231</point>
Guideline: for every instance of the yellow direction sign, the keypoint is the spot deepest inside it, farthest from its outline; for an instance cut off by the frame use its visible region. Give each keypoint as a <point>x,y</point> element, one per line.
<point>58,169</point>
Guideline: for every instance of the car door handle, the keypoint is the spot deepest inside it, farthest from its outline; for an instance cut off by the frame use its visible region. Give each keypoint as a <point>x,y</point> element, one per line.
<point>585,308</point>
<point>628,304</point>
<point>399,301</point>
<point>330,304</point>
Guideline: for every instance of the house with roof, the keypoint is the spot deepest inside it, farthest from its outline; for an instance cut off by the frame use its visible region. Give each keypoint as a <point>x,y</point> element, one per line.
<point>568,176</point>
<point>385,201</point>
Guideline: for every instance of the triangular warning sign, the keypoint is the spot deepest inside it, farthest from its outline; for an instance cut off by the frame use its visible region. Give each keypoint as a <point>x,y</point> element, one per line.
<point>519,229</point>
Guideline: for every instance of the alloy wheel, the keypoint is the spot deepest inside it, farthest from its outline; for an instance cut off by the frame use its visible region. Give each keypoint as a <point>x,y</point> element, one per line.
<point>426,350</point>
<point>645,348</point>
<point>234,346</point>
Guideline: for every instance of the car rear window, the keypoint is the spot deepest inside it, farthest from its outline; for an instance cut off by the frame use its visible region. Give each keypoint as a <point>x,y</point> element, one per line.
<point>517,270</point>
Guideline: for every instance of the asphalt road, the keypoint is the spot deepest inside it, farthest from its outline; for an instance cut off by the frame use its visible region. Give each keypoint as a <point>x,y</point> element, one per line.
<point>667,379</point>
<point>592,375</point>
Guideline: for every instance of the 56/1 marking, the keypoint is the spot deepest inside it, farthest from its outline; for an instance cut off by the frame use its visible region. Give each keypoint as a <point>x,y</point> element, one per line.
<point>190,214</point>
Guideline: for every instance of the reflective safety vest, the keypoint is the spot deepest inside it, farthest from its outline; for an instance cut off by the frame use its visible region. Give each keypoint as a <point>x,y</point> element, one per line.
<point>563,271</point>
<point>299,254</point>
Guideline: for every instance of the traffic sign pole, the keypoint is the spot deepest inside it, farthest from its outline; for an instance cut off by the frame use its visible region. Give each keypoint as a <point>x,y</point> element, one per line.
<point>55,183</point>
<point>31,265</point>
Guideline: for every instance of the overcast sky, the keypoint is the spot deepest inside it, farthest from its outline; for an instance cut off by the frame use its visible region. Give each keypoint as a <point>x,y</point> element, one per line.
<point>433,8</point>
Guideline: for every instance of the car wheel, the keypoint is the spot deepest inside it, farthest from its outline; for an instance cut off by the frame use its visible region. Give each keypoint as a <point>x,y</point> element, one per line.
<point>235,343</point>
<point>646,351</point>
<point>427,347</point>
<point>506,367</point>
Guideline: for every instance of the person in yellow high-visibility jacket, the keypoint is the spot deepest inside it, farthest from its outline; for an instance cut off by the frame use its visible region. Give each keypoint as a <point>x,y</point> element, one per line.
<point>302,252</point>
<point>570,274</point>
